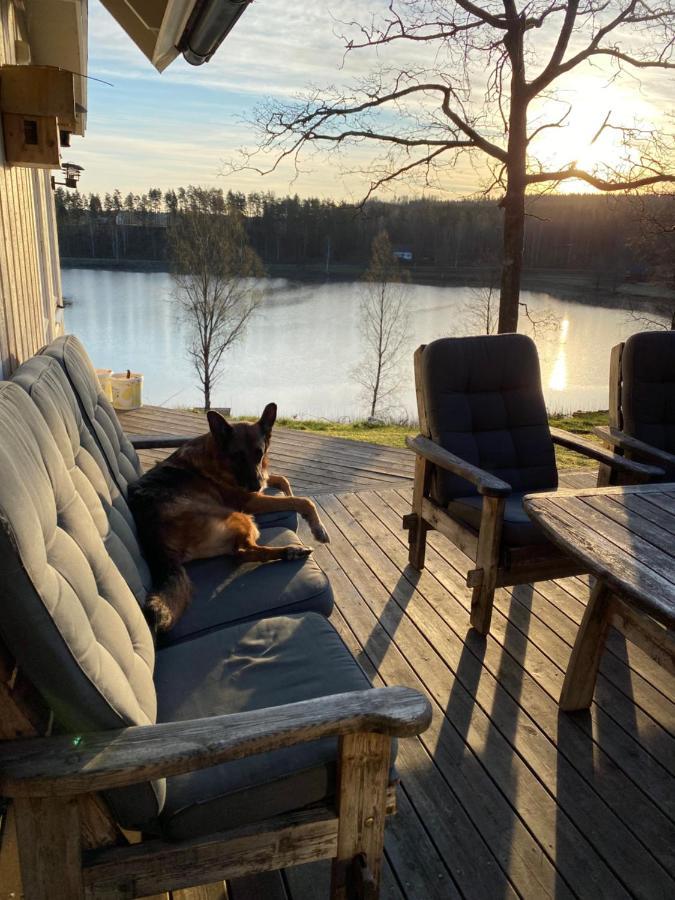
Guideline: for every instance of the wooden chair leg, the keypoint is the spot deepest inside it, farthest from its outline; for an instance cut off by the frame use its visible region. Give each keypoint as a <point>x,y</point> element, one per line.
<point>582,669</point>
<point>417,530</point>
<point>487,561</point>
<point>363,776</point>
<point>50,855</point>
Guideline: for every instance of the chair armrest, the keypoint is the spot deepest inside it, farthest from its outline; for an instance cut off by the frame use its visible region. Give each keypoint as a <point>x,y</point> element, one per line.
<point>594,451</point>
<point>66,766</point>
<point>157,441</point>
<point>626,442</point>
<point>486,484</point>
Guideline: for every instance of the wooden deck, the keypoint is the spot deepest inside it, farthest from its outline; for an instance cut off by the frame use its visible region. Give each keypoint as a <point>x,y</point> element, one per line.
<point>314,464</point>
<point>503,796</point>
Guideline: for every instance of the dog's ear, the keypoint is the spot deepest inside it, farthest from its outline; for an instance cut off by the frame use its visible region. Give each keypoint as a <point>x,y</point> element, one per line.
<point>220,428</point>
<point>268,419</point>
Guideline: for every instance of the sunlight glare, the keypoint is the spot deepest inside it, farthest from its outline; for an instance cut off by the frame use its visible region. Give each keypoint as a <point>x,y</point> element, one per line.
<point>558,378</point>
<point>573,142</point>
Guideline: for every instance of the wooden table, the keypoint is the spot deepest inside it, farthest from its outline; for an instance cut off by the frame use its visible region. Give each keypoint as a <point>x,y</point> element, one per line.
<point>625,536</point>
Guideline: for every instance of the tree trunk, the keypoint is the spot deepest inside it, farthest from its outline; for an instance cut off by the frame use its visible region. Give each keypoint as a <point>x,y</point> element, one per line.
<point>514,200</point>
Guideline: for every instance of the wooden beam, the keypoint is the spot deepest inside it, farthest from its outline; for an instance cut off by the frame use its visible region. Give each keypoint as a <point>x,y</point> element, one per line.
<point>363,774</point>
<point>162,865</point>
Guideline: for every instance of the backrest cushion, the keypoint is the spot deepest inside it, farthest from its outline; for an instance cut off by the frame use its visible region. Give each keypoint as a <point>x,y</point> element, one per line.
<point>648,388</point>
<point>66,614</point>
<point>97,411</point>
<point>45,382</point>
<point>484,403</point>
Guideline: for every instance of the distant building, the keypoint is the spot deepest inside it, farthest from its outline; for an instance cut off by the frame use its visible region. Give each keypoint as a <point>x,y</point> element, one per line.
<point>404,254</point>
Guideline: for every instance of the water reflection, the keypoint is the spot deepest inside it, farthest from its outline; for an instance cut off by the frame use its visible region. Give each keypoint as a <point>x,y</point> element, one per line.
<point>304,342</point>
<point>558,378</point>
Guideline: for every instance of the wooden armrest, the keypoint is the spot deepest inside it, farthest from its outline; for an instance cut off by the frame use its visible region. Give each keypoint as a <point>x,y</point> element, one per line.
<point>624,441</point>
<point>594,451</point>
<point>157,441</point>
<point>486,484</point>
<point>65,766</point>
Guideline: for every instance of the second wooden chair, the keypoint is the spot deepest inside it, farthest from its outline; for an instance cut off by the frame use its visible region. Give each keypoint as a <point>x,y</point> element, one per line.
<point>484,443</point>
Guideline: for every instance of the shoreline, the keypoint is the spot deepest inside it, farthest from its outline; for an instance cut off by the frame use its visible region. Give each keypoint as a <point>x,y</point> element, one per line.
<point>603,288</point>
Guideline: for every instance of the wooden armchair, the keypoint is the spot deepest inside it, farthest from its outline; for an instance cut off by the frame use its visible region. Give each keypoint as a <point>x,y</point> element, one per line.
<point>484,443</point>
<point>642,403</point>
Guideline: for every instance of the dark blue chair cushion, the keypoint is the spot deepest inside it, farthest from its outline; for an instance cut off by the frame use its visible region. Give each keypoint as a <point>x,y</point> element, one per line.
<point>227,592</point>
<point>485,404</point>
<point>517,531</point>
<point>262,664</point>
<point>648,389</point>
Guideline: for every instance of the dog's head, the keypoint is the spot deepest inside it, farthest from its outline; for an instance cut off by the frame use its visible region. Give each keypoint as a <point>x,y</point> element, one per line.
<point>243,447</point>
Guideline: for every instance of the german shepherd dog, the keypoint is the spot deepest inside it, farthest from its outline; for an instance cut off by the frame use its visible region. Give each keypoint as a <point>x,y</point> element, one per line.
<point>199,503</point>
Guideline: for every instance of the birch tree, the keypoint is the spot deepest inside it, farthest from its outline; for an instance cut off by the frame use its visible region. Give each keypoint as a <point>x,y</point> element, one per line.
<point>384,327</point>
<point>214,271</point>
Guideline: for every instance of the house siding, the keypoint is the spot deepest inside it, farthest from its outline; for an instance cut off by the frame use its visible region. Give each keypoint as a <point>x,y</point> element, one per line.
<point>30,278</point>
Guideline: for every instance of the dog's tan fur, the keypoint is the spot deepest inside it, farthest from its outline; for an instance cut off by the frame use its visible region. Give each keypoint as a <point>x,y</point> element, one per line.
<point>199,503</point>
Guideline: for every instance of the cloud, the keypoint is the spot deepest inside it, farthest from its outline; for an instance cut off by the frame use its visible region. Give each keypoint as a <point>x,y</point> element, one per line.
<point>179,127</point>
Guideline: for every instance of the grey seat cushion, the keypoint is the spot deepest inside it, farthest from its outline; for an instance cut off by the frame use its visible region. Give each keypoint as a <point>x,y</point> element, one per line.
<point>485,404</point>
<point>648,389</point>
<point>67,615</point>
<point>263,664</point>
<point>518,530</point>
<point>226,592</point>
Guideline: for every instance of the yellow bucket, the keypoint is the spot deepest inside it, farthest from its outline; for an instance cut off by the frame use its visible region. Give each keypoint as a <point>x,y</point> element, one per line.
<point>127,388</point>
<point>104,376</point>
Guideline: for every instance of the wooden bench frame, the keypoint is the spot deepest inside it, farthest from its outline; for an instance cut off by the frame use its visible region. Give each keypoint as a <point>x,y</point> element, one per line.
<point>497,564</point>
<point>70,848</point>
<point>614,435</point>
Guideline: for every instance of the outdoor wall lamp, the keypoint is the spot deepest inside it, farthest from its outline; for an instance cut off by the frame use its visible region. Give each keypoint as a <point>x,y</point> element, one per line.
<point>207,27</point>
<point>72,173</point>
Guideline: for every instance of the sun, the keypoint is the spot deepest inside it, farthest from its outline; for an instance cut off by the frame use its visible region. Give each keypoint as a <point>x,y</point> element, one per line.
<point>581,140</point>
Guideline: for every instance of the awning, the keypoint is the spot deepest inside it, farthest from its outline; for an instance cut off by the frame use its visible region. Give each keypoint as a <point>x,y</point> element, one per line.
<point>164,28</point>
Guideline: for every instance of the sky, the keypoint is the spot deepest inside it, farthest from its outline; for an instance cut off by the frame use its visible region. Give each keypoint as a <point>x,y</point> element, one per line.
<point>184,126</point>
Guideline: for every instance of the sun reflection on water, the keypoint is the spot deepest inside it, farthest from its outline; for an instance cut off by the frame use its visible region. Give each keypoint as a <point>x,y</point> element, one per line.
<point>558,378</point>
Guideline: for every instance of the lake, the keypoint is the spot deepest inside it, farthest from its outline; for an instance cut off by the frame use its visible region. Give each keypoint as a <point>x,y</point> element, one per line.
<point>304,342</point>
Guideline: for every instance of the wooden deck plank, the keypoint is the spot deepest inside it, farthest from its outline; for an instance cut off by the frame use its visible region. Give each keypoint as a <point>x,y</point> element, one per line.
<point>615,788</point>
<point>535,771</point>
<point>531,637</point>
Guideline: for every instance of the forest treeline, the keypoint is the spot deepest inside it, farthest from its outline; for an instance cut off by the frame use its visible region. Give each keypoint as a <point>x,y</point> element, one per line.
<point>621,236</point>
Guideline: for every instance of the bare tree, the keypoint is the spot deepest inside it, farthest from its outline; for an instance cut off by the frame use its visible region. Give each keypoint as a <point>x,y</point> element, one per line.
<point>213,269</point>
<point>487,88</point>
<point>481,314</point>
<point>384,327</point>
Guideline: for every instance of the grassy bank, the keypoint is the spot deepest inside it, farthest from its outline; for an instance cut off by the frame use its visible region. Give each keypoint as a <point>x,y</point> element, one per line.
<point>394,435</point>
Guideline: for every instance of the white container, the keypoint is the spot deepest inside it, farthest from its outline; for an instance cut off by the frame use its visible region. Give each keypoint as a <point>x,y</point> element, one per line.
<point>104,376</point>
<point>127,390</point>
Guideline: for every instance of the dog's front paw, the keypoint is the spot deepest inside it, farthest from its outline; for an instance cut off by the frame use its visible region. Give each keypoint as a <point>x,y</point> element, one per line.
<point>320,533</point>
<point>297,552</point>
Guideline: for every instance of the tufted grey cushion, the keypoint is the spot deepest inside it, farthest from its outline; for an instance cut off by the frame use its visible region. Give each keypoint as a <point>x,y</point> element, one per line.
<point>67,615</point>
<point>45,382</point>
<point>485,404</point>
<point>97,410</point>
<point>648,389</point>
<point>252,666</point>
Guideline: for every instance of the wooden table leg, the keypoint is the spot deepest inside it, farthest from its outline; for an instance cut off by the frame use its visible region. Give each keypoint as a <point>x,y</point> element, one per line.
<point>582,669</point>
